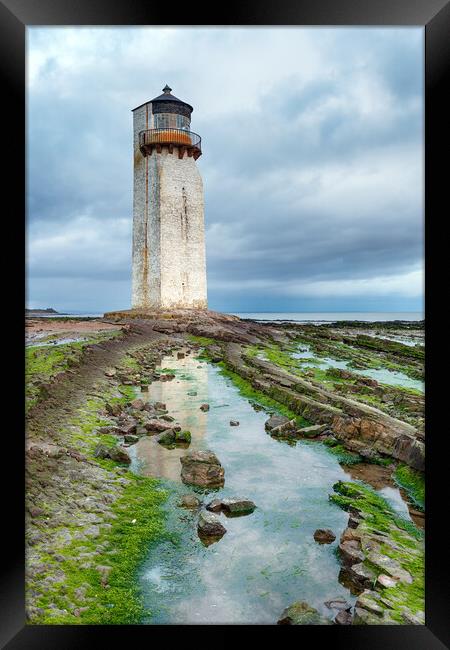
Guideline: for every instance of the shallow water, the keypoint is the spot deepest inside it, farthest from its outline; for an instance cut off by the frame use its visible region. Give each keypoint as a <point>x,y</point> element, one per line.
<point>266,560</point>
<point>383,375</point>
<point>63,341</point>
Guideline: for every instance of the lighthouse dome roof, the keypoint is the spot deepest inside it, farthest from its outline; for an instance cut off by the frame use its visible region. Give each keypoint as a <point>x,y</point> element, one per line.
<point>168,97</point>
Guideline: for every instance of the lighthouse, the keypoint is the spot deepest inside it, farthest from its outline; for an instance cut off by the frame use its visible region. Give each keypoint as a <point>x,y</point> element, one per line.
<point>169,266</point>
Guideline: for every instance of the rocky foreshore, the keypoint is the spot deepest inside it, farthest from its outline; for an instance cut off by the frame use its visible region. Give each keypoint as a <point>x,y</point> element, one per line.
<point>84,416</point>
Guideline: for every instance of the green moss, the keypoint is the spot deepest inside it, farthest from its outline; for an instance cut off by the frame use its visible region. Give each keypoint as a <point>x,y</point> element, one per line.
<point>344,457</point>
<point>404,544</point>
<point>139,522</point>
<point>201,340</point>
<point>257,397</point>
<point>413,482</point>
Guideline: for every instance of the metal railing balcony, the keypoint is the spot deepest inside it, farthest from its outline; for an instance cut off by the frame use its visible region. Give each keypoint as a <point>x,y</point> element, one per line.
<point>185,141</point>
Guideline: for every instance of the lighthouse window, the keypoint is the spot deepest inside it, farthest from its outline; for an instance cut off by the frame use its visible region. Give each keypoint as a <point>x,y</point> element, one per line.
<point>161,121</point>
<point>182,122</point>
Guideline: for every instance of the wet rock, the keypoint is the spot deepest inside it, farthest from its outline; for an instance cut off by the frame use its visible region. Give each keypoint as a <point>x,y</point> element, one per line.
<point>202,468</point>
<point>324,536</point>
<point>236,506</point>
<point>113,409</point>
<point>337,603</point>
<point>386,581</point>
<point>275,421</point>
<point>183,436</point>
<point>234,423</point>
<point>167,437</point>
<point>350,552</point>
<point>180,355</point>
<point>209,525</point>
<point>110,372</point>
<point>167,418</point>
<point>192,393</point>
<point>166,376</point>
<point>343,617</point>
<point>189,501</point>
<point>301,613</point>
<point>130,439</point>
<point>313,431</point>
<point>159,406</point>
<point>138,404</point>
<point>214,506</point>
<point>126,429</point>
<point>204,407</point>
<point>389,566</point>
<point>155,426</point>
<point>119,454</point>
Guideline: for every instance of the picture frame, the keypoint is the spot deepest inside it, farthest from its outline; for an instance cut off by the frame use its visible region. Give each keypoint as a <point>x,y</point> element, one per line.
<point>434,16</point>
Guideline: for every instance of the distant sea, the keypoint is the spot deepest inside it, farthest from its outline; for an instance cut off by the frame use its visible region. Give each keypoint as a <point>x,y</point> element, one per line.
<point>300,317</point>
<point>332,316</point>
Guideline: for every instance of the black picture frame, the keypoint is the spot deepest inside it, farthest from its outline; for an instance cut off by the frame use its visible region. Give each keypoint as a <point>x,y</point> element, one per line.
<point>434,16</point>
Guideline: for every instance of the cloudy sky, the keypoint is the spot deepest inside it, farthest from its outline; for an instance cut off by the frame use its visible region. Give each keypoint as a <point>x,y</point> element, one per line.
<point>312,163</point>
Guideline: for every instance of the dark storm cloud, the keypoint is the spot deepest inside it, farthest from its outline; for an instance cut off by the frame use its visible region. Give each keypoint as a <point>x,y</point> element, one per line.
<point>312,161</point>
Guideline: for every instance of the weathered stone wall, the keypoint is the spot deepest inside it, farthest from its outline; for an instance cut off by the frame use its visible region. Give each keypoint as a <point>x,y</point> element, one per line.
<point>169,267</point>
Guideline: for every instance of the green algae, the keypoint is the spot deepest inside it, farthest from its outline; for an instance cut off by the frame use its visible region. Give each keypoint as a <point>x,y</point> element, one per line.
<point>138,520</point>
<point>413,482</point>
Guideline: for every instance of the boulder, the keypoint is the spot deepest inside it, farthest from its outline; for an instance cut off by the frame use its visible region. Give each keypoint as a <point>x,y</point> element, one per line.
<point>137,404</point>
<point>202,468</point>
<point>236,506</point>
<point>209,525</point>
<point>204,407</point>
<point>159,406</point>
<point>234,423</point>
<point>324,536</point>
<point>189,501</point>
<point>301,613</point>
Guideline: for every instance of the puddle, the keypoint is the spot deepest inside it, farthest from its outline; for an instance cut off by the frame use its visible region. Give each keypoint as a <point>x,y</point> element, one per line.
<point>63,341</point>
<point>382,375</point>
<point>266,560</point>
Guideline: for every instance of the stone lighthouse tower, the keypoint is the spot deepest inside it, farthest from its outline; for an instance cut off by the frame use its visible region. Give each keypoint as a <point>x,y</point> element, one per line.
<point>169,268</point>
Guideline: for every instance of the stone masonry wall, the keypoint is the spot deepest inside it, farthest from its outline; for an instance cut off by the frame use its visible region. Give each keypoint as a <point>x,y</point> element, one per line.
<point>169,266</point>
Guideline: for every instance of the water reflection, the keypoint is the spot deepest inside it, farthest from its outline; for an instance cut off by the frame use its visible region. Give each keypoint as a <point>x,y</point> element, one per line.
<point>266,560</point>
<point>183,397</point>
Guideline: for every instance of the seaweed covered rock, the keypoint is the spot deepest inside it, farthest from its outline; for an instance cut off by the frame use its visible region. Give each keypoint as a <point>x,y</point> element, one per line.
<point>119,454</point>
<point>301,613</point>
<point>383,558</point>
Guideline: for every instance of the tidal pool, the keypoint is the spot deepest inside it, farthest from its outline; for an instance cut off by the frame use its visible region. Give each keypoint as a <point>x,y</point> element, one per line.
<point>266,560</point>
<point>383,375</point>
